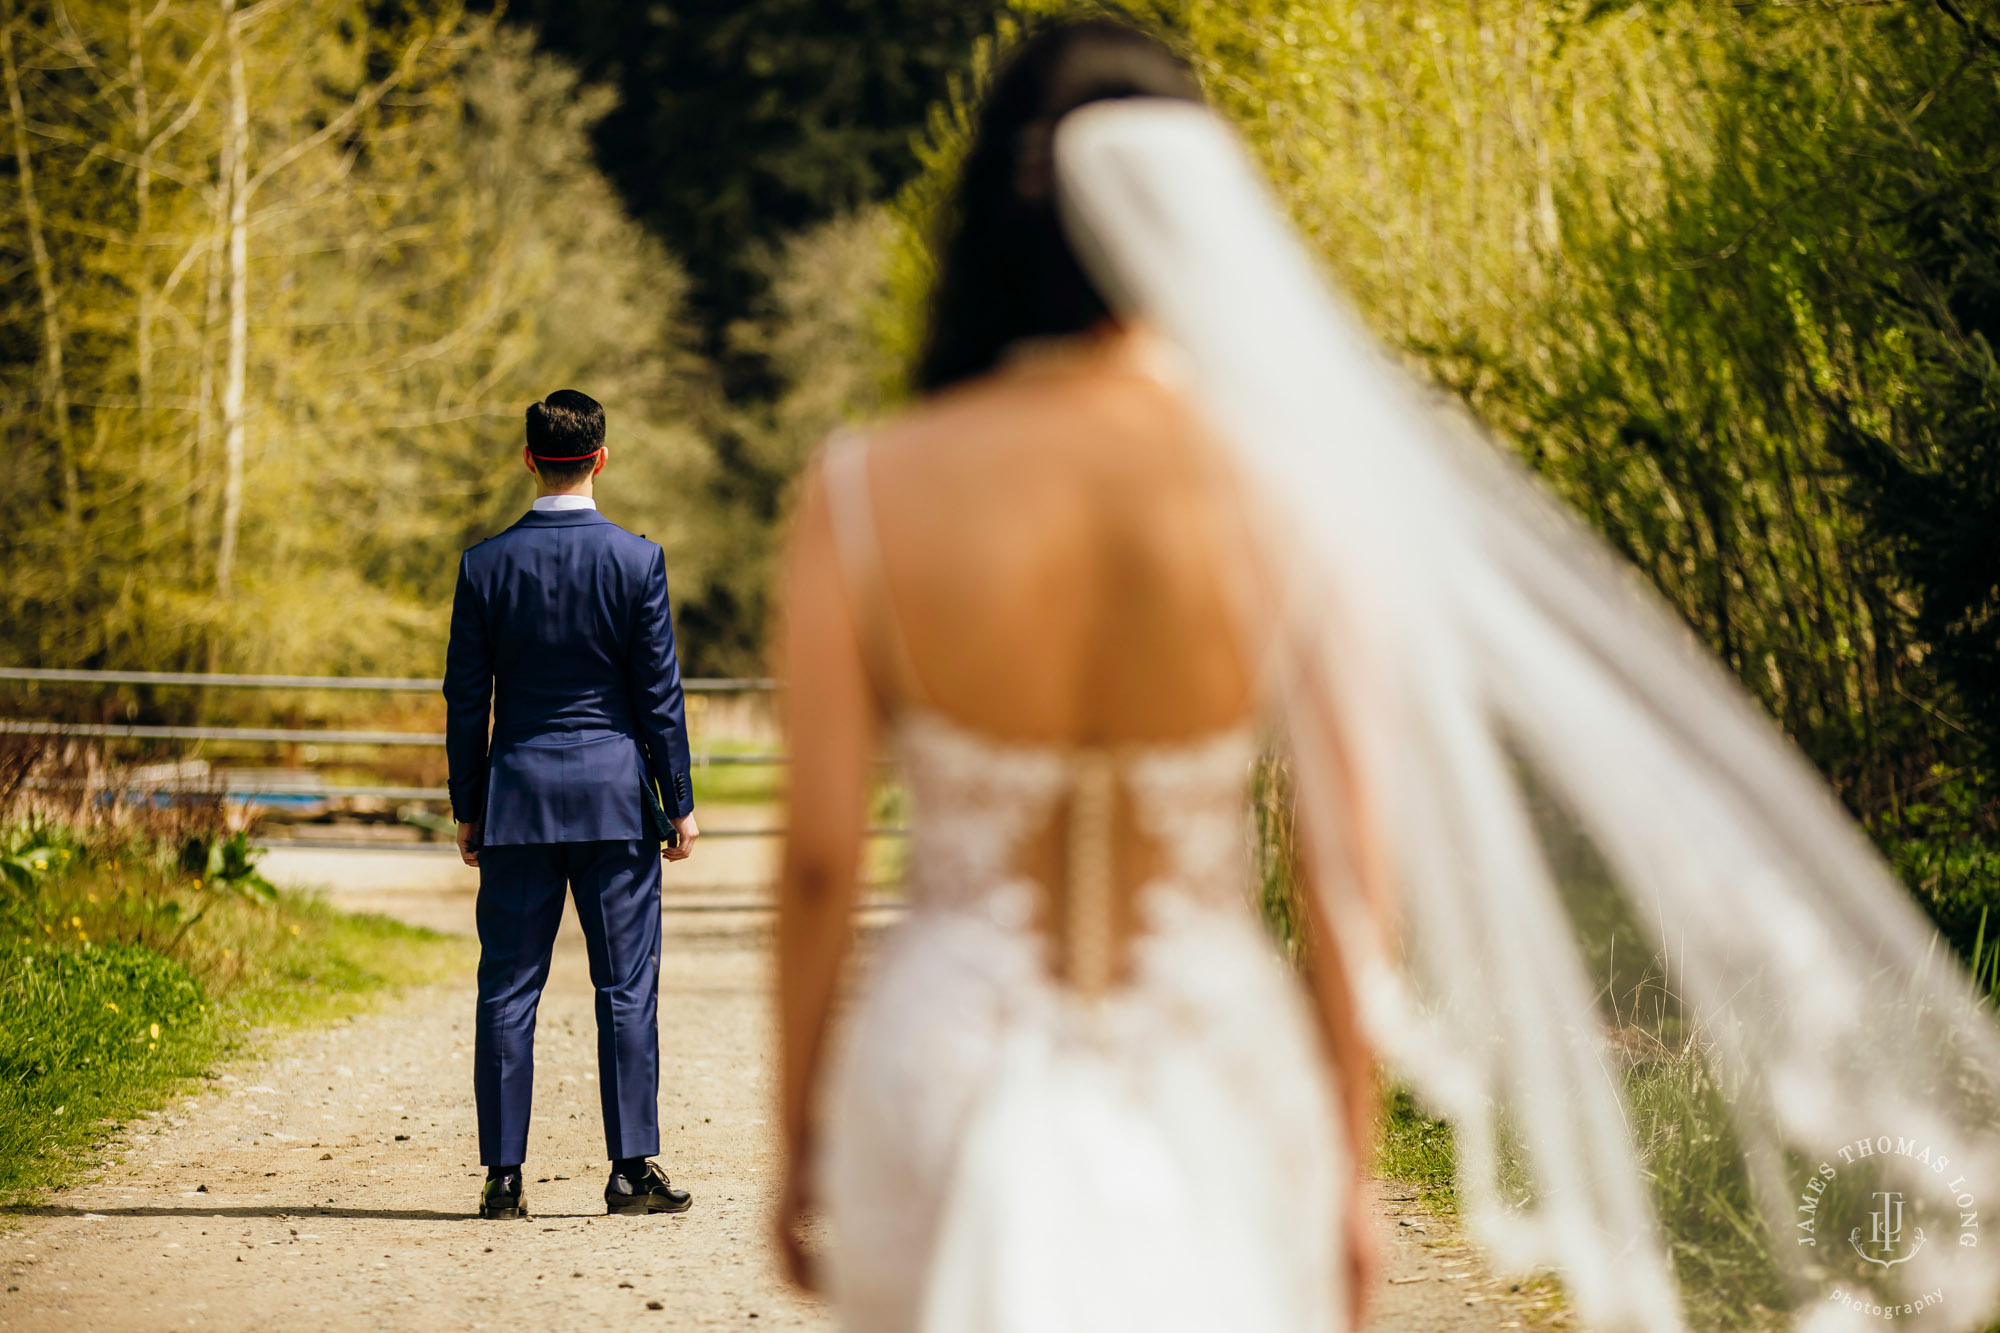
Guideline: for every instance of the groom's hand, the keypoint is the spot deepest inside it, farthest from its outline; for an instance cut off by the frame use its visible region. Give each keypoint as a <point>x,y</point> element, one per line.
<point>468,838</point>
<point>685,827</point>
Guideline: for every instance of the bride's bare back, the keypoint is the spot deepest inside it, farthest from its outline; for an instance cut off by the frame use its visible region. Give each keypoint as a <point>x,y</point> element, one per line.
<point>1063,557</point>
<point>1050,557</point>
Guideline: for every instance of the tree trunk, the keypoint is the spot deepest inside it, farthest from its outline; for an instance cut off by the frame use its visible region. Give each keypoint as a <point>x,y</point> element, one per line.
<point>55,385</point>
<point>237,152</point>
<point>200,505</point>
<point>142,134</point>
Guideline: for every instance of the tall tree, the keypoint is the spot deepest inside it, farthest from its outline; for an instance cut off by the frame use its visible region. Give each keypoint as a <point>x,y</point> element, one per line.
<point>742,121</point>
<point>267,330</point>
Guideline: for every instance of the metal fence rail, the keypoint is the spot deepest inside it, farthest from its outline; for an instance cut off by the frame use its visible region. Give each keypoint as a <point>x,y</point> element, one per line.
<point>245,790</point>
<point>268,843</point>
<point>407,684</point>
<point>315,735</point>
<point>304,735</point>
<point>300,735</point>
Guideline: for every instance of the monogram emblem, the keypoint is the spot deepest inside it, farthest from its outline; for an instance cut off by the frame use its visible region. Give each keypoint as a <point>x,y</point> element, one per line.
<point>1885,1236</point>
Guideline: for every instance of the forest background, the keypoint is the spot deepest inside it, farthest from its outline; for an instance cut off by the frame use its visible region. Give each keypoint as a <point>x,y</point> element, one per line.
<point>277,278</point>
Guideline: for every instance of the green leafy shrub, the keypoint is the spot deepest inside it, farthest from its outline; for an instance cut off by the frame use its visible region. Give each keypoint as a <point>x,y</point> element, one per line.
<point>1944,848</point>
<point>226,865</point>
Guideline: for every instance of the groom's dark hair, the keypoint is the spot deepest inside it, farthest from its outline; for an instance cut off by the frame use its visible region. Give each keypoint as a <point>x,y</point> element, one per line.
<point>1007,272</point>
<point>565,431</point>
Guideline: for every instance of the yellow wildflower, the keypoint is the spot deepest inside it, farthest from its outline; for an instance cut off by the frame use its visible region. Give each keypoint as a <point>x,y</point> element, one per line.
<point>295,930</point>
<point>112,1007</point>
<point>77,922</point>
<point>156,1032</point>
<point>41,863</point>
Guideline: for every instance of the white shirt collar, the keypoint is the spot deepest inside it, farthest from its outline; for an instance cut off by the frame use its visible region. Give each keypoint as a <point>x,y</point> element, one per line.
<point>555,504</point>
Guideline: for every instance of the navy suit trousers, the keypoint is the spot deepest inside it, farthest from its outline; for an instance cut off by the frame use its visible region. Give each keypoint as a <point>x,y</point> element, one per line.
<point>617,888</point>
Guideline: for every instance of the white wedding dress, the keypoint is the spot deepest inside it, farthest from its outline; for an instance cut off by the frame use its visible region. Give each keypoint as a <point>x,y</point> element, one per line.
<point>1006,1150</point>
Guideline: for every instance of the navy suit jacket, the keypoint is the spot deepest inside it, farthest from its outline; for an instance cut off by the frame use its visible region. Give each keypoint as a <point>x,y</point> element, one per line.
<point>561,624</point>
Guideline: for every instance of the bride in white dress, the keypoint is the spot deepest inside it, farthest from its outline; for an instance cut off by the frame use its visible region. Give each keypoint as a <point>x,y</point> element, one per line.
<point>1161,502</point>
<point>1080,1090</point>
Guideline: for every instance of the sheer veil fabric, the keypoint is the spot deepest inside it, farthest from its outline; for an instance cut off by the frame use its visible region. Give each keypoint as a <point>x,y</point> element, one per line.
<point>1499,685</point>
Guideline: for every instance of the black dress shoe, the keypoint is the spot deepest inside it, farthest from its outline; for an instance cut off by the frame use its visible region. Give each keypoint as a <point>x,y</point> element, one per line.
<point>502,1196</point>
<point>648,1192</point>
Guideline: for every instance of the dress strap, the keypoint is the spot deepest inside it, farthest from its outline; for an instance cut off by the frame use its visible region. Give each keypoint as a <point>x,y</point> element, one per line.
<point>852,511</point>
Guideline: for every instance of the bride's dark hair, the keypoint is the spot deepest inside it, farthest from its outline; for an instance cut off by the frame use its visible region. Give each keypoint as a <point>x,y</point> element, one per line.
<point>1007,272</point>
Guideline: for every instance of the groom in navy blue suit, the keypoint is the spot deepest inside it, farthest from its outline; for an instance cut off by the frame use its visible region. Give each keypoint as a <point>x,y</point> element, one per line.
<point>561,626</point>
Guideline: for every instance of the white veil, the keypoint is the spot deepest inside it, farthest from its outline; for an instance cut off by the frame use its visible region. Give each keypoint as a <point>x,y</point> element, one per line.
<point>1493,672</point>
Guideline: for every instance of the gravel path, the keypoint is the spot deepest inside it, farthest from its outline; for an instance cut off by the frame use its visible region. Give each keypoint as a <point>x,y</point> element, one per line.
<point>331,1183</point>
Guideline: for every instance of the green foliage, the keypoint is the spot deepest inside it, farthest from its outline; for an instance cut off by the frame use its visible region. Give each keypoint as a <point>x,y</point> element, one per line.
<point>1985,957</point>
<point>1943,847</point>
<point>756,138</point>
<point>817,328</point>
<point>1697,266</point>
<point>1720,1246</point>
<point>86,1034</point>
<point>745,123</point>
<point>1276,864</point>
<point>130,963</point>
<point>33,852</point>
<point>78,1011</point>
<point>226,865</point>
<point>1417,1149</point>
<point>1925,447</point>
<point>263,383</point>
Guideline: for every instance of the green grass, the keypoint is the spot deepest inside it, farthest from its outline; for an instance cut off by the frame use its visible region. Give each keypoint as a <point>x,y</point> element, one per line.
<point>1721,1247</point>
<point>87,1036</point>
<point>735,784</point>
<point>1721,1250</point>
<point>124,975</point>
<point>1417,1150</point>
<point>1412,1148</point>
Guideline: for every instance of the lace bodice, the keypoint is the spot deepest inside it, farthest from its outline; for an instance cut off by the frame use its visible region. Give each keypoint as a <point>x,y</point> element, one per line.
<point>975,799</point>
<point>972,1078</point>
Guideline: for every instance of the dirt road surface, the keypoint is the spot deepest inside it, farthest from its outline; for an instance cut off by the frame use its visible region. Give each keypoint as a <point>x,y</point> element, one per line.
<point>330,1185</point>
